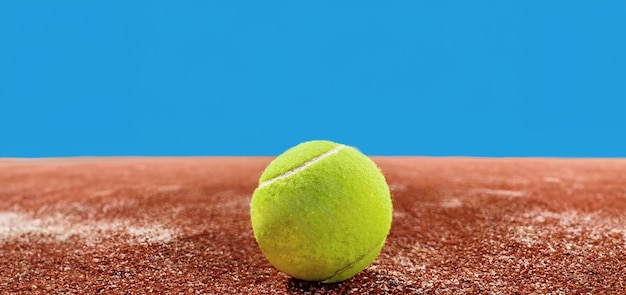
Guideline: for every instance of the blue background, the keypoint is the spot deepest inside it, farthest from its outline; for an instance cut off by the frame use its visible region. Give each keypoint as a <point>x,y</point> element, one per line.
<point>474,78</point>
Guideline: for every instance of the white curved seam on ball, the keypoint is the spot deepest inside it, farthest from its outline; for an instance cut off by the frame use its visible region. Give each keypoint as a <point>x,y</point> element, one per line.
<point>353,263</point>
<point>303,167</point>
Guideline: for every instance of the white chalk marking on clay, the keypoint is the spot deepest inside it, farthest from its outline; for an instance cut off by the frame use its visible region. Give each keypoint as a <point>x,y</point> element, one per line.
<point>552,179</point>
<point>451,203</point>
<point>500,192</point>
<point>14,225</point>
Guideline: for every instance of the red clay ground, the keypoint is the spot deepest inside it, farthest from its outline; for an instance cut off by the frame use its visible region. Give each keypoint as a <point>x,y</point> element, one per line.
<point>181,226</point>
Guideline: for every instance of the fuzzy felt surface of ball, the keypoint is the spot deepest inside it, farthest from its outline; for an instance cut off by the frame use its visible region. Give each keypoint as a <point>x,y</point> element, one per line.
<point>322,211</point>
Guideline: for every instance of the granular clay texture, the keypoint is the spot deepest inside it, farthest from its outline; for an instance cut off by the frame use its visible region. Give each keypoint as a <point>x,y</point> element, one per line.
<point>181,226</point>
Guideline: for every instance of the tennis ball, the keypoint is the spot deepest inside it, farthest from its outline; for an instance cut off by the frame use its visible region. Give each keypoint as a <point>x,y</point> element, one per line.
<point>321,212</point>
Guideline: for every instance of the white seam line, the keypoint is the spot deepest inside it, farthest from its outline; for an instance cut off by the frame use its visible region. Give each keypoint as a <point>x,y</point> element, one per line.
<point>353,263</point>
<point>303,166</point>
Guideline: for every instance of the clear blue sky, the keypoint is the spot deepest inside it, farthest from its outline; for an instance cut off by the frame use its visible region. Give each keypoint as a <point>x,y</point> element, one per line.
<point>473,78</point>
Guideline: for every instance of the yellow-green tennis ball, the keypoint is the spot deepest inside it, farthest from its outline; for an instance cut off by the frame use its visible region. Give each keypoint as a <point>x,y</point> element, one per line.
<point>321,212</point>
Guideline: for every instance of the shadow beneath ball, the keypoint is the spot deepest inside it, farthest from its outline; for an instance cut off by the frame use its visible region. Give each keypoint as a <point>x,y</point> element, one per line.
<point>296,286</point>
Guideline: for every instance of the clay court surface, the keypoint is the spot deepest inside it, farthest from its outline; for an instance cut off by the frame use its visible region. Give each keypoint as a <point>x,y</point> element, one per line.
<point>181,226</point>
